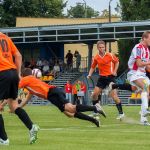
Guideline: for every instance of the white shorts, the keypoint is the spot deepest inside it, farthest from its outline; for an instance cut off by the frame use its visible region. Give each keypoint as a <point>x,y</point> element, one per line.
<point>135,75</point>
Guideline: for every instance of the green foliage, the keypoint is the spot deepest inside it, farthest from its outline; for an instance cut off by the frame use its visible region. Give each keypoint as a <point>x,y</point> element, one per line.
<point>125,47</point>
<point>10,9</point>
<point>79,11</point>
<point>131,10</point>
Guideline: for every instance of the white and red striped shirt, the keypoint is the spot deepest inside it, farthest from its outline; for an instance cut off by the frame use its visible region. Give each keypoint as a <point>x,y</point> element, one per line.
<point>138,52</point>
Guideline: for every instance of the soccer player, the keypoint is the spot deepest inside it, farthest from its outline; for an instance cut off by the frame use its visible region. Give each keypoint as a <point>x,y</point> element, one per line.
<point>56,97</point>
<point>10,69</point>
<point>108,65</point>
<point>137,63</point>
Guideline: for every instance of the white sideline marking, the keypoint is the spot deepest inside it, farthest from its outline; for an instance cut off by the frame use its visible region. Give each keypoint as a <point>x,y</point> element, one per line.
<point>98,129</point>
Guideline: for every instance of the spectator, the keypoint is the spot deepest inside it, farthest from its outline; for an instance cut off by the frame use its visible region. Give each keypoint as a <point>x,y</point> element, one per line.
<point>74,92</point>
<point>56,69</point>
<point>39,63</point>
<point>69,59</point>
<point>83,89</point>
<point>26,64</point>
<point>80,93</point>
<point>46,68</point>
<point>78,60</point>
<point>32,63</point>
<point>68,91</point>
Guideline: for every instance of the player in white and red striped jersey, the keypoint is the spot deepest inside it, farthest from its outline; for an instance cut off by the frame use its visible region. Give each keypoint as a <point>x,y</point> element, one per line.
<point>137,64</point>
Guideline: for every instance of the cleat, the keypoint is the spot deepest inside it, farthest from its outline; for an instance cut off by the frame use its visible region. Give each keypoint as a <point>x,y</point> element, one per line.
<point>93,114</point>
<point>145,123</point>
<point>100,110</point>
<point>96,122</point>
<point>2,142</point>
<point>120,116</point>
<point>33,133</point>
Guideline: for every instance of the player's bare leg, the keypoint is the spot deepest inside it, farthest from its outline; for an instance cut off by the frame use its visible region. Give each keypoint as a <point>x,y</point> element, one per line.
<point>116,99</point>
<point>96,96</point>
<point>72,111</point>
<point>144,98</point>
<point>23,116</point>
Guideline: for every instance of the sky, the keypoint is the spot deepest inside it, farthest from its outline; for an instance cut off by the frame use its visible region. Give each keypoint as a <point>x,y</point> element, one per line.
<point>98,5</point>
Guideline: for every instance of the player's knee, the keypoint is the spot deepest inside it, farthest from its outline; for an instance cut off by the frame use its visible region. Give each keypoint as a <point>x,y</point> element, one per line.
<point>146,86</point>
<point>70,108</point>
<point>94,96</point>
<point>68,114</point>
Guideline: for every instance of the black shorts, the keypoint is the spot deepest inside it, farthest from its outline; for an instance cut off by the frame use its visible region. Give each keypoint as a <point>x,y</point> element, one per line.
<point>58,98</point>
<point>104,81</point>
<point>148,74</point>
<point>9,81</point>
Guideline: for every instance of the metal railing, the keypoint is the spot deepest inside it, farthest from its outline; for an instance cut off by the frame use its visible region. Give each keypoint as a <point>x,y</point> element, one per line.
<point>78,33</point>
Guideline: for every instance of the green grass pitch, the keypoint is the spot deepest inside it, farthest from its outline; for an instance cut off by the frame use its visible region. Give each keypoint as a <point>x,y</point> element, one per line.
<point>61,133</point>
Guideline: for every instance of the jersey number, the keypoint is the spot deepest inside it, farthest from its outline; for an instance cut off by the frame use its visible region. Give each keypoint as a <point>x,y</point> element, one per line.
<point>4,45</point>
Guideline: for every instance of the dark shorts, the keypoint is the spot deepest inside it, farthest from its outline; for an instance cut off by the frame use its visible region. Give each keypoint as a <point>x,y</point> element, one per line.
<point>104,81</point>
<point>9,81</point>
<point>58,98</point>
<point>148,74</point>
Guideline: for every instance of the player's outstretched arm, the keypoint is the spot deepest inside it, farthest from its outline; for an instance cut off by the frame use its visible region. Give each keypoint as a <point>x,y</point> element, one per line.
<point>24,102</point>
<point>116,68</point>
<point>90,73</point>
<point>18,62</point>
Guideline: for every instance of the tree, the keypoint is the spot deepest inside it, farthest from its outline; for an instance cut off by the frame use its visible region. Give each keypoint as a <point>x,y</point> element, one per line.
<point>50,8</point>
<point>29,8</point>
<point>131,10</point>
<point>105,13</point>
<point>79,11</point>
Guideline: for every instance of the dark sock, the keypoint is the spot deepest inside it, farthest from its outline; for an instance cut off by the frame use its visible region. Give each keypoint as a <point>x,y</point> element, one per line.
<point>99,97</point>
<point>83,117</point>
<point>125,86</point>
<point>149,103</point>
<point>83,108</point>
<point>3,134</point>
<point>95,102</point>
<point>119,107</point>
<point>78,102</point>
<point>23,116</point>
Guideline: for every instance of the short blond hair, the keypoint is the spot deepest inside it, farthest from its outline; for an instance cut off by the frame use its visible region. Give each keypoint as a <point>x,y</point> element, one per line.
<point>145,34</point>
<point>100,42</point>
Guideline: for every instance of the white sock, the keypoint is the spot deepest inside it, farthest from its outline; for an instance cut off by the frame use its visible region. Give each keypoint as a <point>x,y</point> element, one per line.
<point>143,119</point>
<point>144,105</point>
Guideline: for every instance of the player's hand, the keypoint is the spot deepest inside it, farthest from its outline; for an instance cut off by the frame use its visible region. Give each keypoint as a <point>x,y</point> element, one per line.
<point>114,74</point>
<point>89,77</point>
<point>1,108</point>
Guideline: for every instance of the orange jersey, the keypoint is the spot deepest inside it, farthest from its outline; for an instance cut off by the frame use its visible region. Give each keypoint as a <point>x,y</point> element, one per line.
<point>35,86</point>
<point>74,89</point>
<point>7,51</point>
<point>105,64</point>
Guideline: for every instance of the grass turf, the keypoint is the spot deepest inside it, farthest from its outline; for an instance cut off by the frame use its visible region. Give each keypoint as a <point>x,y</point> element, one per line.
<point>61,133</point>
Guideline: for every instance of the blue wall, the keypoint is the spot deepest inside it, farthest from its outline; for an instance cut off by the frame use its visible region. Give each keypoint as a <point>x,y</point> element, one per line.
<point>46,50</point>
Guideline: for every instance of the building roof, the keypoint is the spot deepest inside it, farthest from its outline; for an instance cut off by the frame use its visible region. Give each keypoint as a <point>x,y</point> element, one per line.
<point>30,22</point>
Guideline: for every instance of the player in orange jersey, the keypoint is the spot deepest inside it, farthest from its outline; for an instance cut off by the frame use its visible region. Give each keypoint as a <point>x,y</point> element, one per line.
<point>10,69</point>
<point>56,97</point>
<point>108,65</point>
